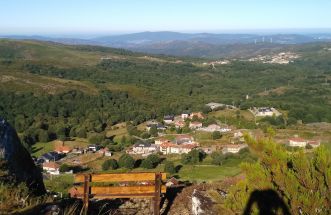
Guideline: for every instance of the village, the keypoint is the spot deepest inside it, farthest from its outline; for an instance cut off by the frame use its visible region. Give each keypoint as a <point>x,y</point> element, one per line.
<point>174,136</point>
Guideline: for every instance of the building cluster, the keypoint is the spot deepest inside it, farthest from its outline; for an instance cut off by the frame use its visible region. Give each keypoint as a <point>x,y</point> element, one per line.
<point>280,58</point>
<point>181,144</point>
<point>50,160</point>
<point>264,111</point>
<point>215,106</point>
<point>300,142</point>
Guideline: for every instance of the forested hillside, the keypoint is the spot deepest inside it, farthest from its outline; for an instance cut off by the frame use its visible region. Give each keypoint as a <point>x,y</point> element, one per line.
<point>50,90</point>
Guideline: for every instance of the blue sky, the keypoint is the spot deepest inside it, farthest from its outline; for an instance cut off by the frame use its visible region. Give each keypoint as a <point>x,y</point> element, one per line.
<point>123,16</point>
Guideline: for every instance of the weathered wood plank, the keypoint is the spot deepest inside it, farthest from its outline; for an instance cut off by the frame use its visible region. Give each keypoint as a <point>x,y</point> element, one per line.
<point>120,177</point>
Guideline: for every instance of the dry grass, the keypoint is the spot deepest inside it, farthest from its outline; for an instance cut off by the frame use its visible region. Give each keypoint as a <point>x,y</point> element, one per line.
<point>26,82</point>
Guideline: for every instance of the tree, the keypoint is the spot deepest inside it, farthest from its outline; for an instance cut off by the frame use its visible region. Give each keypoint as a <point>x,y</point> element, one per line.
<point>43,136</point>
<point>147,164</point>
<point>81,133</point>
<point>169,167</point>
<point>64,168</point>
<point>72,132</point>
<point>153,131</point>
<point>217,158</point>
<point>96,138</point>
<point>154,158</point>
<point>193,157</point>
<point>216,135</point>
<point>301,180</point>
<point>151,161</point>
<point>109,164</point>
<point>145,135</point>
<point>126,161</point>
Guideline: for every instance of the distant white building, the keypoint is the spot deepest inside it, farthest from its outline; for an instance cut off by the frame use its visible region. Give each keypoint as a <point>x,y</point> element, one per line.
<point>297,142</point>
<point>168,119</point>
<point>143,148</point>
<point>172,148</point>
<point>215,127</point>
<point>314,143</point>
<point>233,148</point>
<point>51,168</point>
<point>265,111</point>
<point>195,125</point>
<point>185,115</point>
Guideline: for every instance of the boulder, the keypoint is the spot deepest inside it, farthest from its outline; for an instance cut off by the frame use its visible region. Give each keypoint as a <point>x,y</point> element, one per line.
<point>16,162</point>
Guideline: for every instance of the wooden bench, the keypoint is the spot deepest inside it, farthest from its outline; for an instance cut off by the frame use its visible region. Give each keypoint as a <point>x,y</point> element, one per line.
<point>119,185</point>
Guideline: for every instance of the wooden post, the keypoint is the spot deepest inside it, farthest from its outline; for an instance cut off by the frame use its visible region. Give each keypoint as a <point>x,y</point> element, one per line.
<point>87,179</point>
<point>157,194</point>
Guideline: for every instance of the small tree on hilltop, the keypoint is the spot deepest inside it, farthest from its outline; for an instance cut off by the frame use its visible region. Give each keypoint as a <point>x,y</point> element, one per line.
<point>126,161</point>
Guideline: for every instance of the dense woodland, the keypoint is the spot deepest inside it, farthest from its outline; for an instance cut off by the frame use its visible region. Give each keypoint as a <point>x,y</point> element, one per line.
<point>133,88</point>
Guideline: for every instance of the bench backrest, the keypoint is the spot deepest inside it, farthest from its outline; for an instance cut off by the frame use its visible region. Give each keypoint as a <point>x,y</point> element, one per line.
<point>119,185</point>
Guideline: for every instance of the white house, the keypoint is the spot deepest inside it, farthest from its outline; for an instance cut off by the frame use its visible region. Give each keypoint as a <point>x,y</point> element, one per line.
<point>93,147</point>
<point>105,152</point>
<point>297,142</point>
<point>314,143</point>
<point>233,148</point>
<point>214,105</point>
<point>169,119</point>
<point>52,168</point>
<point>265,111</point>
<point>143,148</point>
<point>172,148</point>
<point>195,125</point>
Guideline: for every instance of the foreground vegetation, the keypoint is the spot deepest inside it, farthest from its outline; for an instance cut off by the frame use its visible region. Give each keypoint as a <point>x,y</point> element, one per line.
<point>292,183</point>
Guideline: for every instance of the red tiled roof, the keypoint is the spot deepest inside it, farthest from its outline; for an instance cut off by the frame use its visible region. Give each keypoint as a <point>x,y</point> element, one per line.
<point>314,142</point>
<point>51,165</point>
<point>297,139</point>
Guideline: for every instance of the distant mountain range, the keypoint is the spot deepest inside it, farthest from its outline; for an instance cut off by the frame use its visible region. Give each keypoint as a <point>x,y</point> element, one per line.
<point>185,44</point>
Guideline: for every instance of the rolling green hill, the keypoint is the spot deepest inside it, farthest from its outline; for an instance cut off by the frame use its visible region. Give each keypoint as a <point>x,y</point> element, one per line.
<point>62,89</point>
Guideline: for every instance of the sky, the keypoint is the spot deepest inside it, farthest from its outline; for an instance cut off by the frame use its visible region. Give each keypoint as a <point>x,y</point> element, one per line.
<point>93,17</point>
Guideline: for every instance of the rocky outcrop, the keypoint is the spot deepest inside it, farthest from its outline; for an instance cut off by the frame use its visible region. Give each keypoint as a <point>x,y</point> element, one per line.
<point>201,203</point>
<point>16,162</point>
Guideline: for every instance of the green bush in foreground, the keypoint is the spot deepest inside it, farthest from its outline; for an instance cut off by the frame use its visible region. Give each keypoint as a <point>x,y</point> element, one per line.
<point>302,181</point>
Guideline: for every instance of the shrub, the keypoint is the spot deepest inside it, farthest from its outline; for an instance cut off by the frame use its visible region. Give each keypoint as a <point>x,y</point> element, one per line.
<point>64,167</point>
<point>169,167</point>
<point>126,161</point>
<point>109,164</point>
<point>216,135</point>
<point>151,161</point>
